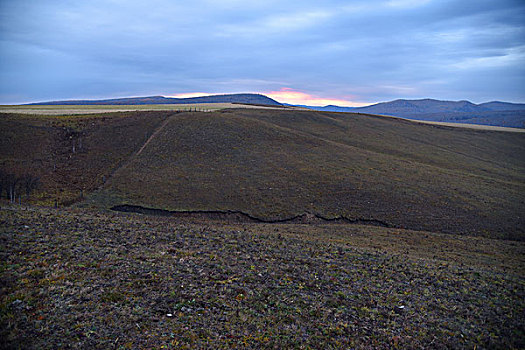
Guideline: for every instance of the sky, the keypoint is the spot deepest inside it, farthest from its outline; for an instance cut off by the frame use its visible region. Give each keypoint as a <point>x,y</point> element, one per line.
<point>347,53</point>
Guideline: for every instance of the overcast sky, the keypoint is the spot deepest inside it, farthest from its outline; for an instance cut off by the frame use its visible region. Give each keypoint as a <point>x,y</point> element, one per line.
<point>316,52</point>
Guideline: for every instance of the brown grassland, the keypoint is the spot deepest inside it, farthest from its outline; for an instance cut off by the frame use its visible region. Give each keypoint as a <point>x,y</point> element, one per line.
<point>97,109</point>
<point>83,279</point>
<point>439,265</point>
<point>278,164</point>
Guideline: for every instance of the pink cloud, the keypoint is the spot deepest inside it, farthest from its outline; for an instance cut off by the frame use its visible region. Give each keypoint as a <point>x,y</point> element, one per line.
<point>288,95</point>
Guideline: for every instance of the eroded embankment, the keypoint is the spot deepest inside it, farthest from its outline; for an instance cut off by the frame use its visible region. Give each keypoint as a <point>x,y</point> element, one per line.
<point>241,217</point>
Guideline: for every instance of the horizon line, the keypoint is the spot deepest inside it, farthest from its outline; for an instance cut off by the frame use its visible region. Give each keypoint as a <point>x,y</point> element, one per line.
<point>329,101</point>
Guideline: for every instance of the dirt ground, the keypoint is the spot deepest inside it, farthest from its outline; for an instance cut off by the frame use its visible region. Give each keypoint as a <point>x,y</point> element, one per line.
<point>90,279</point>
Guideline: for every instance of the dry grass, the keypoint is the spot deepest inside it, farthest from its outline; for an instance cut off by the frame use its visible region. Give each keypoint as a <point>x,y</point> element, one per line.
<point>278,164</point>
<point>471,126</point>
<point>88,278</point>
<point>85,279</point>
<point>91,109</point>
<point>43,146</point>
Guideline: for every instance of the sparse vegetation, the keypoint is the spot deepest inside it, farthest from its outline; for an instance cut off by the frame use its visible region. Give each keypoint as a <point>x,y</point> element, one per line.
<point>85,279</point>
<point>71,155</point>
<point>278,164</point>
<point>97,109</point>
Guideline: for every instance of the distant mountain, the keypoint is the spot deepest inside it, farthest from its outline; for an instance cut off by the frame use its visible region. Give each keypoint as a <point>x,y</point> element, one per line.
<point>513,119</point>
<point>229,98</point>
<point>490,113</point>
<point>503,106</point>
<point>406,108</point>
<point>331,108</point>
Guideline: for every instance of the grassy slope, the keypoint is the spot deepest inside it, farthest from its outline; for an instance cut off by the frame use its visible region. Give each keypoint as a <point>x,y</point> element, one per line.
<point>43,146</point>
<point>87,279</point>
<point>89,109</point>
<point>98,109</point>
<point>275,164</point>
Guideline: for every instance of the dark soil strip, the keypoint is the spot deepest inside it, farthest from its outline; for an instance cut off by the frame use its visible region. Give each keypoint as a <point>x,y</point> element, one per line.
<point>239,216</point>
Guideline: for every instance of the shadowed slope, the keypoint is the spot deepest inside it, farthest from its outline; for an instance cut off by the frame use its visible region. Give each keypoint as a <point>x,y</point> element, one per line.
<point>72,155</point>
<point>278,164</point>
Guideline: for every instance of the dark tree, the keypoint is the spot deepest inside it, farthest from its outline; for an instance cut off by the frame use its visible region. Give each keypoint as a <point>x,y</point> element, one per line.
<point>3,182</point>
<point>14,185</point>
<point>12,182</point>
<point>30,183</point>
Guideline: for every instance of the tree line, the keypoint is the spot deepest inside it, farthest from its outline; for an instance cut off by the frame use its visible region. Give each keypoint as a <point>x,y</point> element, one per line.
<point>15,185</point>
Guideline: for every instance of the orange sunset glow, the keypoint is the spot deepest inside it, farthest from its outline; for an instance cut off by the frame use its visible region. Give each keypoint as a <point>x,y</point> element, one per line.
<point>291,96</point>
<point>287,95</point>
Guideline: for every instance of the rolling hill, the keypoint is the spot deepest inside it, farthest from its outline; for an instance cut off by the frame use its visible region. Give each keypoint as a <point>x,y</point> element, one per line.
<point>503,106</point>
<point>275,165</point>
<point>227,98</point>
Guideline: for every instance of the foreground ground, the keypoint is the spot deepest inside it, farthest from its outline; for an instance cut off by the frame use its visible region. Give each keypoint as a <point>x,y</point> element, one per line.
<point>86,279</point>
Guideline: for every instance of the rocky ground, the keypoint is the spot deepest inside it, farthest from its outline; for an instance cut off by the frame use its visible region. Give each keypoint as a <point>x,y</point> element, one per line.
<point>86,279</point>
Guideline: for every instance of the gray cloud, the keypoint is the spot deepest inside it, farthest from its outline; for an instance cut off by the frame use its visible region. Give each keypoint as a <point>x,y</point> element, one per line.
<point>367,50</point>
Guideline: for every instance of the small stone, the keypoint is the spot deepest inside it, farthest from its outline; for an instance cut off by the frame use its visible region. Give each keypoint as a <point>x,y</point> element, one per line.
<point>399,309</point>
<point>169,315</point>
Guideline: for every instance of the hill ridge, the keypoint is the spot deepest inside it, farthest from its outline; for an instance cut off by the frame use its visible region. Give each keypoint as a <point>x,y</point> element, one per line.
<point>249,98</point>
<point>495,113</point>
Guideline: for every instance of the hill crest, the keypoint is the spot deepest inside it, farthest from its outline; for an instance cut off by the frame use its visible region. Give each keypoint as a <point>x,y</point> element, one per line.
<point>494,113</point>
<point>247,98</point>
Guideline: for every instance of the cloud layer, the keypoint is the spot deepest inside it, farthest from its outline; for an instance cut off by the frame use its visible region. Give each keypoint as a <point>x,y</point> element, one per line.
<point>342,51</point>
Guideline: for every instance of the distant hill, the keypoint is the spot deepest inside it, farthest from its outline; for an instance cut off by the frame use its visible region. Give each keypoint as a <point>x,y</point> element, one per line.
<point>229,98</point>
<point>329,108</point>
<point>503,106</point>
<point>415,107</point>
<point>506,118</point>
<point>405,108</point>
<point>491,113</point>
